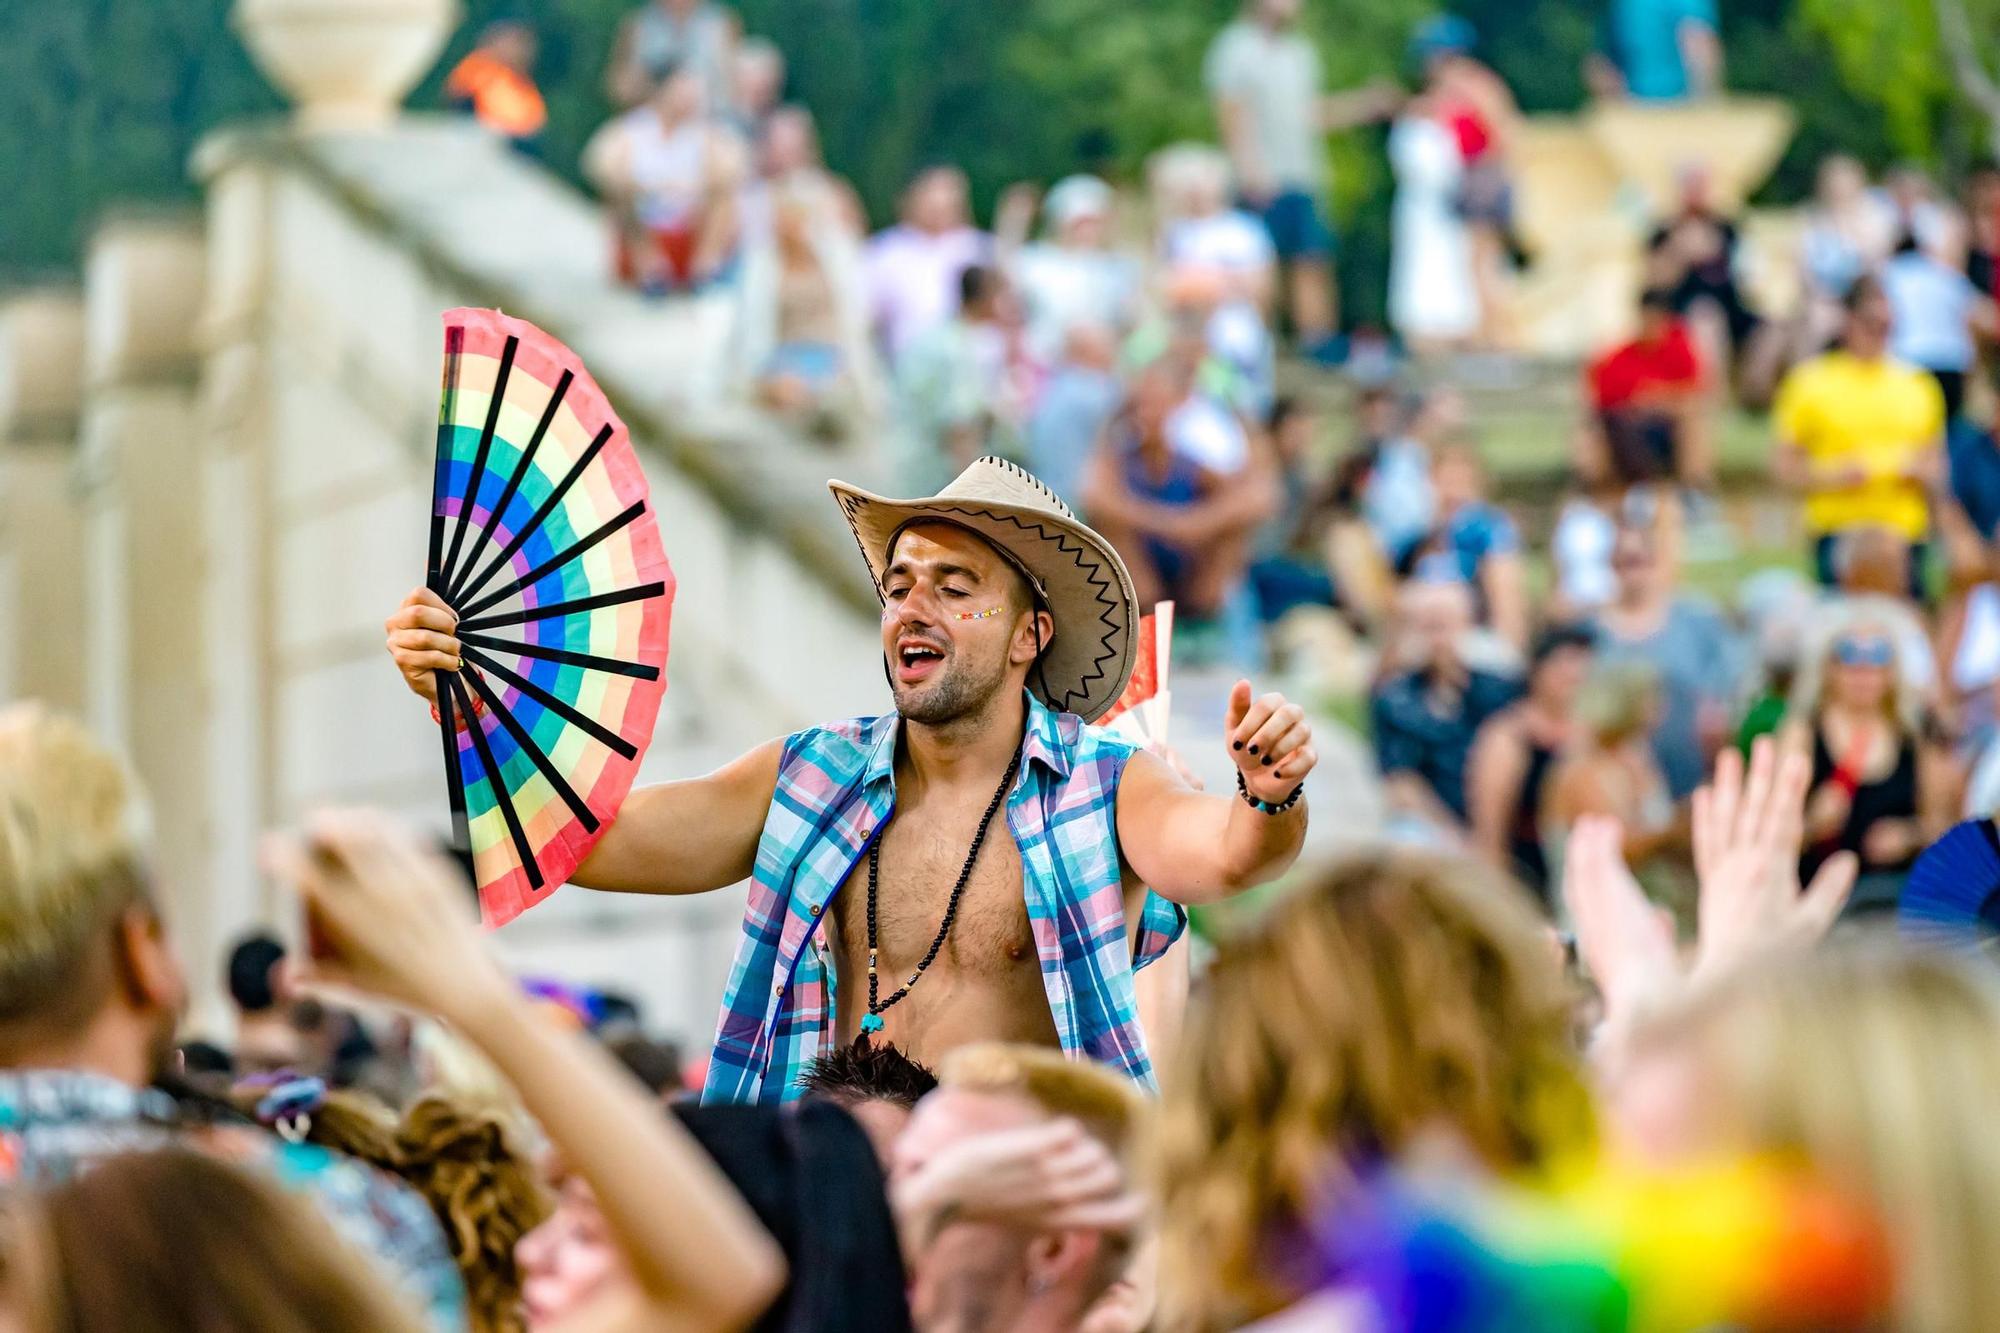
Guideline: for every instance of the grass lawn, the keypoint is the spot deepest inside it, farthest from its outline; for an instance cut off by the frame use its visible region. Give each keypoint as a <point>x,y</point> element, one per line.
<point>1528,450</point>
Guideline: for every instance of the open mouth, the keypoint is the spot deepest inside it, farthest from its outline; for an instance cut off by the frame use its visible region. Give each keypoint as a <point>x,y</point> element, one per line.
<point>916,660</point>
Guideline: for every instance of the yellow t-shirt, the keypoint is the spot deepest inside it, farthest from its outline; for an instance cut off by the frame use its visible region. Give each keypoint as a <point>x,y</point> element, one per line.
<point>1880,414</point>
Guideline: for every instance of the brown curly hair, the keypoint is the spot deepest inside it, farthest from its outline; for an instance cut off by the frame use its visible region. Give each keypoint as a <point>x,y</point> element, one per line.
<point>467,1166</point>
<point>1396,993</point>
<point>486,1194</point>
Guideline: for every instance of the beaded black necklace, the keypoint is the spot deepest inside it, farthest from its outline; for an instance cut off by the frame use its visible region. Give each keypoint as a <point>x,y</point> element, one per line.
<point>872,1022</point>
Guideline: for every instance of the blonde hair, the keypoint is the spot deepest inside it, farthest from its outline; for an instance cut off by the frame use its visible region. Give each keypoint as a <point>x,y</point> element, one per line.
<point>1881,1065</point>
<point>452,1067</point>
<point>1850,615</point>
<point>1183,169</point>
<point>71,858</point>
<point>1395,994</point>
<point>1106,1104</point>
<point>1617,701</point>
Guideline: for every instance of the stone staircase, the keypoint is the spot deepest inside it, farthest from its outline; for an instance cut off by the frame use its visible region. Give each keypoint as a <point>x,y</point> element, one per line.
<point>1523,411</point>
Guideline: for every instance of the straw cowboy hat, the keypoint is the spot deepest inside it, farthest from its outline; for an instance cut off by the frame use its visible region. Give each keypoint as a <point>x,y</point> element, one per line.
<point>1076,574</point>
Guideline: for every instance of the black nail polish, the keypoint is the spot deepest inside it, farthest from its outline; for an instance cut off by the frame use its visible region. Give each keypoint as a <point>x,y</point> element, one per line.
<point>1239,745</point>
<point>1253,749</point>
<point>1266,761</point>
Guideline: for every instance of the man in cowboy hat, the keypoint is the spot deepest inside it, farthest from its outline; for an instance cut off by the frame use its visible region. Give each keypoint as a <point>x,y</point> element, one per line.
<point>880,906</point>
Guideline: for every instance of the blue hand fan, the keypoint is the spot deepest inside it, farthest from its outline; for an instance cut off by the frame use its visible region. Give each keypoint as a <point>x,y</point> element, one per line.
<point>1954,888</point>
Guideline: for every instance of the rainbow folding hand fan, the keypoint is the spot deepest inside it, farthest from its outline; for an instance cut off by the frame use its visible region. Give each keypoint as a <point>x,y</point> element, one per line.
<point>543,541</point>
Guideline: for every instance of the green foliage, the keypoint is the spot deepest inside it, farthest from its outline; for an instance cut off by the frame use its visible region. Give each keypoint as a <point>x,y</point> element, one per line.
<point>897,83</point>
<point>1129,72</point>
<point>1890,49</point>
<point>1538,45</point>
<point>1888,55</point>
<point>101,101</point>
<point>1767,51</point>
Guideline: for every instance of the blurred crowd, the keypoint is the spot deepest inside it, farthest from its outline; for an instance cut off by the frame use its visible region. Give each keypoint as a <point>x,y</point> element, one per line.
<point>1866,642</point>
<point>1396,1102</point>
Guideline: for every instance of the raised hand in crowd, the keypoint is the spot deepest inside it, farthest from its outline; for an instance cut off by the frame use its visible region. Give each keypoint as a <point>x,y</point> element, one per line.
<point>1625,941</point>
<point>1748,827</point>
<point>1747,830</point>
<point>391,918</point>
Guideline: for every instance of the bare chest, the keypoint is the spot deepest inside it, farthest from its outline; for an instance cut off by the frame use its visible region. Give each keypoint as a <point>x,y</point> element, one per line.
<point>919,865</point>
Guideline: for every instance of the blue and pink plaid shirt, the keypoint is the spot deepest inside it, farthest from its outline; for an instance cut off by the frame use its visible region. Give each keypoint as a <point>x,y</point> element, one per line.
<point>836,789</point>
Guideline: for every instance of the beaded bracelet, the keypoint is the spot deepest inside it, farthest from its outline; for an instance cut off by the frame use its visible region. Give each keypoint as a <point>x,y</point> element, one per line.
<point>1267,807</point>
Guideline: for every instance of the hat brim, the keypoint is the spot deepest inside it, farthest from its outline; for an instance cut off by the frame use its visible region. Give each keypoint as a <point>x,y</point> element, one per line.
<point>1087,665</point>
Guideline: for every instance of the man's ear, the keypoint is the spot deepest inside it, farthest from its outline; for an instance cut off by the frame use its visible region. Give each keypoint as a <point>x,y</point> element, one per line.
<point>149,971</point>
<point>1026,648</point>
<point>1056,1259</point>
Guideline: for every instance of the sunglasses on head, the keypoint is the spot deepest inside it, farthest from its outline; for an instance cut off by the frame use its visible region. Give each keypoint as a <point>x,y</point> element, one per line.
<point>1849,650</point>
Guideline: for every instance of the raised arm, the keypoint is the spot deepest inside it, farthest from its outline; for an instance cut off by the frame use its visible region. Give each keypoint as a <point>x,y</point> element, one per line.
<point>689,836</point>
<point>1192,847</point>
<point>626,81</point>
<point>1355,107</point>
<point>679,837</point>
<point>391,918</point>
<point>1701,55</point>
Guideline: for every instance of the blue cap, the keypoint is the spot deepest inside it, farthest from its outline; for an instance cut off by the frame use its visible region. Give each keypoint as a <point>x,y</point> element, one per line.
<point>1443,34</point>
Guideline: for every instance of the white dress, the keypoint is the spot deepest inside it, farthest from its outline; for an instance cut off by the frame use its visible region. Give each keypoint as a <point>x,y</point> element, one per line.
<point>1431,290</point>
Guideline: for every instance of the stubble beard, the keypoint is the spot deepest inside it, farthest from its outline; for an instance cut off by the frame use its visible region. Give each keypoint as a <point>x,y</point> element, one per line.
<point>959,693</point>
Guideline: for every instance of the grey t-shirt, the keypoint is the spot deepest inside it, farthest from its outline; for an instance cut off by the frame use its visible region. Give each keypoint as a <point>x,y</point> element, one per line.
<point>1699,659</point>
<point>704,37</point>
<point>1276,77</point>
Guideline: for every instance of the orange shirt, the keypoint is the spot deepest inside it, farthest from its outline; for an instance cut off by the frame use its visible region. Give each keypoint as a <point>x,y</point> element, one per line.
<point>503,99</point>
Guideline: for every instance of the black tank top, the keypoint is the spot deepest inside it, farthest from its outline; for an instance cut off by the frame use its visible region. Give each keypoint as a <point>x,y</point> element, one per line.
<point>1893,796</point>
<point>1524,842</point>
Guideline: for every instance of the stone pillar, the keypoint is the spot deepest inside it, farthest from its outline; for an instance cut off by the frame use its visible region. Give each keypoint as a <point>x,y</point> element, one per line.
<point>144,538</point>
<point>41,580</point>
<point>232,493</point>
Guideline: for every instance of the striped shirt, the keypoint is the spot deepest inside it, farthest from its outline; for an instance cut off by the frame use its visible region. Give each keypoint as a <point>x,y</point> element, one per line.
<point>836,790</point>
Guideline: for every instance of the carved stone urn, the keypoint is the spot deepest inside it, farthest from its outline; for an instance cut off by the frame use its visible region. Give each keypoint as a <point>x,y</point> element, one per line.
<point>345,64</point>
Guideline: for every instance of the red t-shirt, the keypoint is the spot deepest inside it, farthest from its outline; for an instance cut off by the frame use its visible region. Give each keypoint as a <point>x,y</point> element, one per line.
<point>1637,370</point>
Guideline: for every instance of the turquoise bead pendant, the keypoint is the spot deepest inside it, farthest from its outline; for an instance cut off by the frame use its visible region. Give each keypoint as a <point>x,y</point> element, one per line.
<point>871,1023</point>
